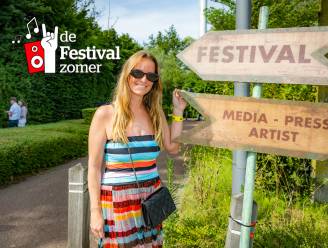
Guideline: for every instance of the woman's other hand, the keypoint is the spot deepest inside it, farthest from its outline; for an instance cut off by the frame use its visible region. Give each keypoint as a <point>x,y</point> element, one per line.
<point>179,103</point>
<point>97,223</point>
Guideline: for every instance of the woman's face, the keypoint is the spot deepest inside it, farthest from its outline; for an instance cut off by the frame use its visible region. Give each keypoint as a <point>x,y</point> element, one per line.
<point>141,86</point>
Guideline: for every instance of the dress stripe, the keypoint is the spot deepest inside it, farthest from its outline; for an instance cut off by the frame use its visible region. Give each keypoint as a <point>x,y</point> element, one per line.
<point>141,163</point>
<point>132,150</point>
<point>153,166</point>
<point>121,198</point>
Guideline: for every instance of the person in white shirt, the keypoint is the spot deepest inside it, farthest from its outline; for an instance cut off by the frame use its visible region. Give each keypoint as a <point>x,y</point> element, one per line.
<point>14,113</point>
<point>22,120</point>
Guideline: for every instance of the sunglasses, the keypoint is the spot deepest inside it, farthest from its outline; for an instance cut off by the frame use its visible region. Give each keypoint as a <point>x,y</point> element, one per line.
<point>151,76</point>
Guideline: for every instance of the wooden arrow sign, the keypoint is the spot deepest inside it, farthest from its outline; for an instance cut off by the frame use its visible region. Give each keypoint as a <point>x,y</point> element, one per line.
<point>289,128</point>
<point>294,55</point>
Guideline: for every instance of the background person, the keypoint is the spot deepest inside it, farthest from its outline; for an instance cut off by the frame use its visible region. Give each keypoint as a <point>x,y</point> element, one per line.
<point>135,120</point>
<point>22,120</point>
<point>13,113</point>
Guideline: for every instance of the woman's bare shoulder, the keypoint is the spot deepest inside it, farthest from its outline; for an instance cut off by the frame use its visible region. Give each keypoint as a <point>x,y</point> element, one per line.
<point>104,112</point>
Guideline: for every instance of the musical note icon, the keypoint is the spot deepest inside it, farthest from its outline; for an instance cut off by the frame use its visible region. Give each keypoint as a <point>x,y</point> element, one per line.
<point>17,40</point>
<point>36,30</point>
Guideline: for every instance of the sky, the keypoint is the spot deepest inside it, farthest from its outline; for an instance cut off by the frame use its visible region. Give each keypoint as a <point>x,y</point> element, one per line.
<point>141,18</point>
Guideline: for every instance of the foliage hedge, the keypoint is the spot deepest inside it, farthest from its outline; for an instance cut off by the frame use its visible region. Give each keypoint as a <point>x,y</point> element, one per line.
<point>59,96</point>
<point>87,114</point>
<point>3,118</point>
<point>27,150</point>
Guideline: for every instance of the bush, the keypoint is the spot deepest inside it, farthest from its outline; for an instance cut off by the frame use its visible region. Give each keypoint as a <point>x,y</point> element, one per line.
<point>3,118</point>
<point>27,150</point>
<point>204,203</point>
<point>87,114</point>
<point>287,175</point>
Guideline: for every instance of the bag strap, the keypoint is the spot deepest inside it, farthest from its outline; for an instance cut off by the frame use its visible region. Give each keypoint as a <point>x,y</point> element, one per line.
<point>134,171</point>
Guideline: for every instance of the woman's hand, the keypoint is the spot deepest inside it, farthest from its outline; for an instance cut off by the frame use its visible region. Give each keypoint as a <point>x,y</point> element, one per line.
<point>179,104</point>
<point>97,223</point>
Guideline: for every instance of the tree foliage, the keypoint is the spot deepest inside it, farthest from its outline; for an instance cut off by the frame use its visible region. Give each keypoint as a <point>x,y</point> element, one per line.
<point>283,13</point>
<point>289,175</point>
<point>58,96</point>
<point>175,74</point>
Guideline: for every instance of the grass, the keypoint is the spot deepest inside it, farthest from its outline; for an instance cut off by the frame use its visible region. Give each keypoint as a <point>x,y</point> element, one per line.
<point>204,204</point>
<point>10,135</point>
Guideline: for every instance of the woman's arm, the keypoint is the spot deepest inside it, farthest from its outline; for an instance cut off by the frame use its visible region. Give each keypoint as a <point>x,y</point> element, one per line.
<point>179,104</point>
<point>97,139</point>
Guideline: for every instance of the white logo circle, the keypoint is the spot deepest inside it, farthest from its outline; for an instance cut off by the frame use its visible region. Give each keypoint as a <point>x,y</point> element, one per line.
<point>37,62</point>
<point>34,49</point>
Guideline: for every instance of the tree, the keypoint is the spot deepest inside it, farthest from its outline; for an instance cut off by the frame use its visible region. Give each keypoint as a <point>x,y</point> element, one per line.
<point>169,42</point>
<point>174,74</point>
<point>283,13</point>
<point>57,96</point>
<point>290,175</point>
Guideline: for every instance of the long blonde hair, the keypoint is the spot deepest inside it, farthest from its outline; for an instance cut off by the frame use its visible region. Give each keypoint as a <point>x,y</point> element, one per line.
<point>122,96</point>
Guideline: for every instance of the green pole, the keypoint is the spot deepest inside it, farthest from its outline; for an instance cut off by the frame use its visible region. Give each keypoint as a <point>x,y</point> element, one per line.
<point>251,160</point>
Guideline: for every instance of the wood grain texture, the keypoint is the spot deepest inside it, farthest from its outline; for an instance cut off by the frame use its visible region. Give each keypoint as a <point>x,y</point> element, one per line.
<point>292,55</point>
<point>290,128</point>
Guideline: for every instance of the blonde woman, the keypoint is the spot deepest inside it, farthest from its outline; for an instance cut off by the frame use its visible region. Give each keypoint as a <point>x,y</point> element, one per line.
<point>136,120</point>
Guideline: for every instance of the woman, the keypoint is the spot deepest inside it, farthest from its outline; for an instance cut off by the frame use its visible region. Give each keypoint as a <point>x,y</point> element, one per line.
<point>135,120</point>
<point>23,115</point>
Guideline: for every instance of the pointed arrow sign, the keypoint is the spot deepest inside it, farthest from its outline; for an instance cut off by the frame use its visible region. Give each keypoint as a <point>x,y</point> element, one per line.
<point>294,55</point>
<point>289,128</point>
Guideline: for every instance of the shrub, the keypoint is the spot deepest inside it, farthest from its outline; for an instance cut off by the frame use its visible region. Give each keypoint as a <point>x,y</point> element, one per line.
<point>204,203</point>
<point>3,118</point>
<point>27,150</point>
<point>87,114</point>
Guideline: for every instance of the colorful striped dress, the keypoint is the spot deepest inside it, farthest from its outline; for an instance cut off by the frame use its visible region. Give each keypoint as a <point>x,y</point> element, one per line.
<point>121,198</point>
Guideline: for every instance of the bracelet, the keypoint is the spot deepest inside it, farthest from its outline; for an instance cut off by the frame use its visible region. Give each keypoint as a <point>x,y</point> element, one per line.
<point>177,118</point>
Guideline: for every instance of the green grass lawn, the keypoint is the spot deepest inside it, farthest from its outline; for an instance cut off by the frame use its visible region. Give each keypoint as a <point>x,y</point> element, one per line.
<point>204,204</point>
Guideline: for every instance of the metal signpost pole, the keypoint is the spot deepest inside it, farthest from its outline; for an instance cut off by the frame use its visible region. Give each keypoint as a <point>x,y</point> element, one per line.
<point>243,19</point>
<point>251,160</point>
<point>202,18</point>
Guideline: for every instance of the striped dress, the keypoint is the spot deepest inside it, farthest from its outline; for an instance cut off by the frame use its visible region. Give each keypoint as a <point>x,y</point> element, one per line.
<point>121,198</point>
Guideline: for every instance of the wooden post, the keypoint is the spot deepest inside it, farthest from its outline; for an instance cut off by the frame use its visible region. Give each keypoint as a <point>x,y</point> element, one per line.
<point>78,207</point>
<point>321,167</point>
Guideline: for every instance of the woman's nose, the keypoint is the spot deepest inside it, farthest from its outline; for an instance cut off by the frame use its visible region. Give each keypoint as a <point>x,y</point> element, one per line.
<point>144,79</point>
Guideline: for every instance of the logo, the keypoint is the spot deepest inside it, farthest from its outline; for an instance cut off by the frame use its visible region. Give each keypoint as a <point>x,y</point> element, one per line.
<point>34,56</point>
<point>41,55</point>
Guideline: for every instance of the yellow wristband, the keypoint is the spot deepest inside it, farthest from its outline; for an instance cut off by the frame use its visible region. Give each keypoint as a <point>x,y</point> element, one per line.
<point>177,118</point>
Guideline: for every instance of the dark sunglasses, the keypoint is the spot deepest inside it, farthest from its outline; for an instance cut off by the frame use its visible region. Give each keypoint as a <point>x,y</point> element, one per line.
<point>151,76</point>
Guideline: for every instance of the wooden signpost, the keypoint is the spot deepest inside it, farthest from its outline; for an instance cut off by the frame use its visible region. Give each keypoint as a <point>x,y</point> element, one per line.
<point>289,128</point>
<point>293,55</point>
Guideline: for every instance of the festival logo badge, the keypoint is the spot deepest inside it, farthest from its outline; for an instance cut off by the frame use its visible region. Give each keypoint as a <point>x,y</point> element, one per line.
<point>41,55</point>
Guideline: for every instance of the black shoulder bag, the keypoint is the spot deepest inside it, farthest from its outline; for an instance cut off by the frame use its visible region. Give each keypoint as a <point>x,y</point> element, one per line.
<point>157,206</point>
